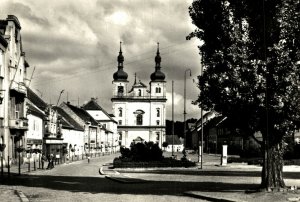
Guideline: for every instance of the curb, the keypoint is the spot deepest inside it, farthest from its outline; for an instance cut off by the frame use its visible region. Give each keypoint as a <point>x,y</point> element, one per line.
<point>22,196</point>
<point>125,180</point>
<point>209,197</point>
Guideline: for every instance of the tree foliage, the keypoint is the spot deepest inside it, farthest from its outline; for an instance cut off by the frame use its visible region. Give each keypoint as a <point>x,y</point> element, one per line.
<point>250,55</point>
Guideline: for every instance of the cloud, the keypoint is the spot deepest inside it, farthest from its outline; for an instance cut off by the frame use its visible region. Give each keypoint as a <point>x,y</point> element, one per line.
<point>192,111</point>
<point>74,45</point>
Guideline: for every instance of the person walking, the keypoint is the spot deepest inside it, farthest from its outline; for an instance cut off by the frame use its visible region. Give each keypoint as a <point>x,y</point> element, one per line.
<point>43,159</point>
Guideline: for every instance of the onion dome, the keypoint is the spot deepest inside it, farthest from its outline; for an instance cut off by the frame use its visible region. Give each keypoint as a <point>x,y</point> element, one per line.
<point>120,75</point>
<point>157,75</point>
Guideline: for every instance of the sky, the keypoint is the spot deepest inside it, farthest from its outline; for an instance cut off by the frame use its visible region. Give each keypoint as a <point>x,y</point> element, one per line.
<point>73,46</point>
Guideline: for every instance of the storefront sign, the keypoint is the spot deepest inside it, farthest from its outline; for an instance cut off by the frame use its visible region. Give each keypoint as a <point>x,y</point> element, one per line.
<point>34,141</point>
<point>54,141</point>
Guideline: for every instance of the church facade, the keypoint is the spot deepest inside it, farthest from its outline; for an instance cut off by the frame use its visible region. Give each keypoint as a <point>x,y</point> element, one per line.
<point>140,111</point>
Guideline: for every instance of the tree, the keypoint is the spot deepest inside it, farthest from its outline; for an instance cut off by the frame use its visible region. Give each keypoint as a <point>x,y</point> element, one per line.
<point>250,56</point>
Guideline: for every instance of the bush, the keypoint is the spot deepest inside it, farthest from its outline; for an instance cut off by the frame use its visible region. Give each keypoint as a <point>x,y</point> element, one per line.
<point>142,152</point>
<point>292,151</point>
<point>251,151</point>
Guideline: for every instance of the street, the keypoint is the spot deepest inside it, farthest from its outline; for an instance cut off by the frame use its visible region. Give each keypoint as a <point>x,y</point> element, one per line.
<point>81,181</point>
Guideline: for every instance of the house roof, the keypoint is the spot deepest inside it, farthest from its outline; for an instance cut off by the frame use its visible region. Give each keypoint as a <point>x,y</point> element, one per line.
<point>36,100</point>
<point>67,120</point>
<point>84,115</point>
<point>93,105</point>
<point>34,111</point>
<point>169,140</point>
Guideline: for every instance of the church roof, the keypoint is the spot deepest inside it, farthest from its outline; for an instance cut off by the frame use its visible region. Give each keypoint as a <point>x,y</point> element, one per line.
<point>158,75</point>
<point>120,75</point>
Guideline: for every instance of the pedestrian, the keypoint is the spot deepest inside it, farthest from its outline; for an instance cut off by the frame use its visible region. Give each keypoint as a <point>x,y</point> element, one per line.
<point>52,161</point>
<point>43,159</point>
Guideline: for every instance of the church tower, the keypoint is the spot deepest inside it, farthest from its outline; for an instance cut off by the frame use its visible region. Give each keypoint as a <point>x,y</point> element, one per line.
<point>120,77</point>
<point>158,83</point>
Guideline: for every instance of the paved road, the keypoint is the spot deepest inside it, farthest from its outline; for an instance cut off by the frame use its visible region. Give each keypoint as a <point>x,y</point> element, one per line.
<point>81,181</point>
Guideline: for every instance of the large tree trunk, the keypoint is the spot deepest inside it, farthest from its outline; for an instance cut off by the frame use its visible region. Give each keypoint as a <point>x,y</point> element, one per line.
<point>272,171</point>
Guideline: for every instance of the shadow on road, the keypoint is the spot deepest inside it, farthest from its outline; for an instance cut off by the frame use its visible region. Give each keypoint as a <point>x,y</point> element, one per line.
<point>96,185</point>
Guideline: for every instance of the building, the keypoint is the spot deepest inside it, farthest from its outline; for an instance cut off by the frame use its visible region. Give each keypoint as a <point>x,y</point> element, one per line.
<point>73,134</point>
<point>140,112</point>
<point>36,121</point>
<point>109,124</point>
<point>91,127</point>
<point>13,70</point>
<point>175,143</point>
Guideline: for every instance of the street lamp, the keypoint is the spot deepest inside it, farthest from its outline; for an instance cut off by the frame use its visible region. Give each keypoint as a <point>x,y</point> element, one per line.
<point>184,112</point>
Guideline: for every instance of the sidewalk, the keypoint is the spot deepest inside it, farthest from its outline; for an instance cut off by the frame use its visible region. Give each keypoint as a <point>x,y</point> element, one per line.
<point>11,193</point>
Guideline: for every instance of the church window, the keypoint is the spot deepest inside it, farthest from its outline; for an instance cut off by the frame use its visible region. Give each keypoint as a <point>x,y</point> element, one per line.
<point>157,136</point>
<point>120,112</point>
<point>139,116</point>
<point>120,90</point>
<point>120,122</point>
<point>157,122</point>
<point>158,112</point>
<point>140,92</point>
<point>139,119</point>
<point>158,90</point>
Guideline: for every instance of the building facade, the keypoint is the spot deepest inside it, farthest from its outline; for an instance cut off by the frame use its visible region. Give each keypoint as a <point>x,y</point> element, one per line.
<point>140,111</point>
<point>91,128</point>
<point>110,138</point>
<point>13,70</point>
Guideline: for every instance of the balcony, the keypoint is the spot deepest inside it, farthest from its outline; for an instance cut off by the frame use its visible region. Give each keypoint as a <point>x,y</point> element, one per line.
<point>19,124</point>
<point>18,87</point>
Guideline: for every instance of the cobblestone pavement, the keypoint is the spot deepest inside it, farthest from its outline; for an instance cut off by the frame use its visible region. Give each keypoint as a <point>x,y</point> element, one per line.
<point>82,181</point>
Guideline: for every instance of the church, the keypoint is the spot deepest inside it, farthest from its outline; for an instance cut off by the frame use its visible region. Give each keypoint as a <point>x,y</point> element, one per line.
<point>140,111</point>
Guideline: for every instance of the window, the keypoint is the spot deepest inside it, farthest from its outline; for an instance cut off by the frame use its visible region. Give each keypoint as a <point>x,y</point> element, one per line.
<point>157,136</point>
<point>120,122</point>
<point>158,112</point>
<point>140,92</point>
<point>120,90</point>
<point>18,106</point>
<point>158,90</point>
<point>120,112</point>
<point>157,122</point>
<point>139,119</point>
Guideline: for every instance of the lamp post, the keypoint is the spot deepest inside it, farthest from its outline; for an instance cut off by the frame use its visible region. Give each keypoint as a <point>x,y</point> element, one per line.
<point>184,109</point>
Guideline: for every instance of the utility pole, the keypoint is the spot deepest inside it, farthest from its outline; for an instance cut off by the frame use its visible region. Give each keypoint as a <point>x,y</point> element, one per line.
<point>184,107</point>
<point>172,118</point>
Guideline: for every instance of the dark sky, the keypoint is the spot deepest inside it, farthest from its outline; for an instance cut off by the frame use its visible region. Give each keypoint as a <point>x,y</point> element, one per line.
<point>74,46</point>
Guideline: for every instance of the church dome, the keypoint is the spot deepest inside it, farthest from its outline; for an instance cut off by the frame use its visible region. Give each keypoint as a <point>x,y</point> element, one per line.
<point>157,76</point>
<point>120,75</point>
